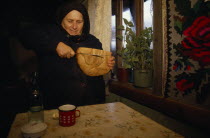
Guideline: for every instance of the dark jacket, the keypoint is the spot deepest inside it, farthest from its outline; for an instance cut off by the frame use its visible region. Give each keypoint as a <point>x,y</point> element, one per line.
<point>61,80</point>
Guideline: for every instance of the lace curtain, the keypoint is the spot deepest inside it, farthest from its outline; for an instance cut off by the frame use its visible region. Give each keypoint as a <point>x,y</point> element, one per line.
<point>100,21</point>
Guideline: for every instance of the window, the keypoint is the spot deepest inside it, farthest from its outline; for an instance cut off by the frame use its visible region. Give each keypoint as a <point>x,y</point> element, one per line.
<point>148,13</point>
<point>136,11</point>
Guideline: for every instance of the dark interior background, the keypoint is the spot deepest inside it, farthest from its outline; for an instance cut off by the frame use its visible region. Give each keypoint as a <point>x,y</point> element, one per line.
<point>14,90</point>
<point>14,14</point>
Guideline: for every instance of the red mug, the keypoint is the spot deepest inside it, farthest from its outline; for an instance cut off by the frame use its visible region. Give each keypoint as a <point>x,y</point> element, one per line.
<point>67,115</point>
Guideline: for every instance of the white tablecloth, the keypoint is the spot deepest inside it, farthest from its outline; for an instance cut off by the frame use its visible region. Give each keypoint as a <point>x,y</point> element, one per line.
<point>111,120</point>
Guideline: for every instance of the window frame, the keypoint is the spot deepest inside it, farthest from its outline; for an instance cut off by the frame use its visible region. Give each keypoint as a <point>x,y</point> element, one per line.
<point>159,41</point>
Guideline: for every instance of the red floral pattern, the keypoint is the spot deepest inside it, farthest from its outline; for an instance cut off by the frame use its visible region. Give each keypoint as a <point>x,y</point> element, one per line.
<point>183,85</point>
<point>196,44</point>
<point>189,56</point>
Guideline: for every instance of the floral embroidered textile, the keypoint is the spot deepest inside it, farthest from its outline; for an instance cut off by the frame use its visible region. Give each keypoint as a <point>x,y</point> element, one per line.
<point>188,25</point>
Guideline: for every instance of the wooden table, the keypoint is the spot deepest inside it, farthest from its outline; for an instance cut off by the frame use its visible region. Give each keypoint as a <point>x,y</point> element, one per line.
<point>111,120</point>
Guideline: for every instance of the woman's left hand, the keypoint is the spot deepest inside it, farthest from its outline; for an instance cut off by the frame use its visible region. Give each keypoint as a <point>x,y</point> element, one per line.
<point>111,62</point>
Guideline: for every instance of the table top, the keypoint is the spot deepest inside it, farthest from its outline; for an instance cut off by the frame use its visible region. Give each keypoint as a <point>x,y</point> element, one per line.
<point>101,120</point>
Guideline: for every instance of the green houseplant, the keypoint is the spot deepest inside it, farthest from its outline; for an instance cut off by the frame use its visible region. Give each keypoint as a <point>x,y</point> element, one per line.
<point>125,73</point>
<point>136,52</point>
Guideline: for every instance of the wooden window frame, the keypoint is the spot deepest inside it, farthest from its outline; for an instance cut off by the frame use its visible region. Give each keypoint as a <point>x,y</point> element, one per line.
<point>158,42</point>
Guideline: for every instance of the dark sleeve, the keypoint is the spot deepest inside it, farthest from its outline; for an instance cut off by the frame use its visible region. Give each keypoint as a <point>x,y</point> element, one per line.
<point>98,44</point>
<point>92,42</point>
<point>40,38</point>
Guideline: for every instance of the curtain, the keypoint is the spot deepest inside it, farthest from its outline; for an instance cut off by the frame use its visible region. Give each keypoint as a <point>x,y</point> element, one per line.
<point>100,21</point>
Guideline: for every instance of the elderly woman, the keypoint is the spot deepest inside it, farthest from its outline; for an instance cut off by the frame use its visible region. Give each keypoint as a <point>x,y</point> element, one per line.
<point>61,80</point>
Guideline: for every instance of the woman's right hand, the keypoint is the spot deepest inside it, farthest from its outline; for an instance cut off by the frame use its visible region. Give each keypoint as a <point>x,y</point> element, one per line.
<point>64,51</point>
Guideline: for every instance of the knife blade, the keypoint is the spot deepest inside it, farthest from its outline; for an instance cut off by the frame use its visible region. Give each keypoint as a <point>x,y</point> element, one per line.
<point>101,56</point>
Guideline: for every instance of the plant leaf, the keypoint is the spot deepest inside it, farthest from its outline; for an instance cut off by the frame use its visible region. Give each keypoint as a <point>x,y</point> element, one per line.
<point>120,37</point>
<point>130,24</point>
<point>125,21</point>
<point>120,27</point>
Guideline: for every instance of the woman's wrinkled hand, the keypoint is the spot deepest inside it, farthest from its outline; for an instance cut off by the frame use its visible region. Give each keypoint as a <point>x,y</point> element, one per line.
<point>64,51</point>
<point>111,62</point>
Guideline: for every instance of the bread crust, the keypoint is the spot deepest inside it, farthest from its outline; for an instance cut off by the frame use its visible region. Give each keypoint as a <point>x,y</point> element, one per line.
<point>93,65</point>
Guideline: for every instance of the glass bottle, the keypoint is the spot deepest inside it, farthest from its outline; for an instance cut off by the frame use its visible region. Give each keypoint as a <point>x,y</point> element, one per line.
<point>36,112</point>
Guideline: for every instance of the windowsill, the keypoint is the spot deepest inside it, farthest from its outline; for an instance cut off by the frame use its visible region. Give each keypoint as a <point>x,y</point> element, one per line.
<point>193,115</point>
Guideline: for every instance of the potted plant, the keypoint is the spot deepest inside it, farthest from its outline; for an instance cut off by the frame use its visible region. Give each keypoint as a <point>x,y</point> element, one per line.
<point>126,72</point>
<point>126,53</point>
<point>139,55</point>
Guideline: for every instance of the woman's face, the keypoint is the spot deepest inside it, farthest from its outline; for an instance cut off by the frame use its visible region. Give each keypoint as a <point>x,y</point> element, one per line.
<point>73,23</point>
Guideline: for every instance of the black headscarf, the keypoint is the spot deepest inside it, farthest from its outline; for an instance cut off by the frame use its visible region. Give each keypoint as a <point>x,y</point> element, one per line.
<point>66,7</point>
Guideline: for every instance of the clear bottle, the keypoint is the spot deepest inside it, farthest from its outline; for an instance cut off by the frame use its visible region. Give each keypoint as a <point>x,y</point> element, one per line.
<point>36,112</point>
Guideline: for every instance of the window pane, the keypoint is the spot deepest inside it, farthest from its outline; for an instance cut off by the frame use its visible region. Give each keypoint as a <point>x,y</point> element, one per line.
<point>113,41</point>
<point>148,13</point>
<point>127,9</point>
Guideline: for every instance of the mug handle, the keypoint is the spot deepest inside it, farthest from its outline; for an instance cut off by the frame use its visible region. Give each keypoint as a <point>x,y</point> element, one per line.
<point>77,115</point>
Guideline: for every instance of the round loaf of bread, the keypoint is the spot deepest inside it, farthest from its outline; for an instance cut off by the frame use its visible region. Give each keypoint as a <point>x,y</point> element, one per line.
<point>93,62</point>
